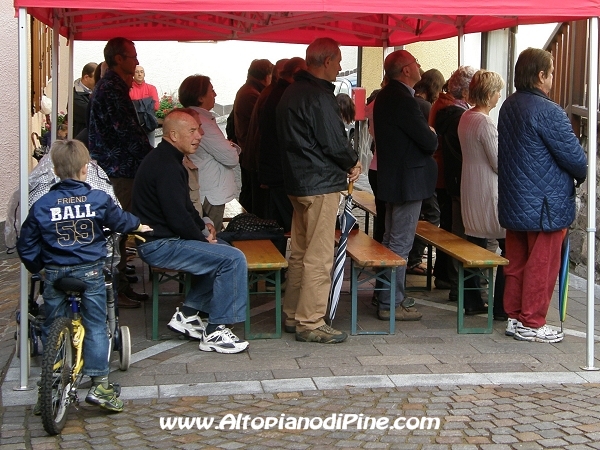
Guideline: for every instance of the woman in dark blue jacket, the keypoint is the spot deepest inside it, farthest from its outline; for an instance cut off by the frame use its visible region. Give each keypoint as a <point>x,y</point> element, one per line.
<point>539,160</point>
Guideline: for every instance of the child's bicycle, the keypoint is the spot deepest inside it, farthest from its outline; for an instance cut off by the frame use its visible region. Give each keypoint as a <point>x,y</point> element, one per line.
<point>62,361</point>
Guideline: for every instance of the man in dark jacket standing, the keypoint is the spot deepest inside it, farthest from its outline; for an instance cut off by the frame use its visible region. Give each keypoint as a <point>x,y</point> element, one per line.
<point>82,90</point>
<point>259,77</point>
<point>317,161</point>
<point>269,168</point>
<point>406,170</point>
<point>539,160</point>
<point>116,139</point>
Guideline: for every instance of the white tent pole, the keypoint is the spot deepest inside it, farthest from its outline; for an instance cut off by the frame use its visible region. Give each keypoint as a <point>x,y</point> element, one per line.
<point>591,182</point>
<point>70,87</point>
<point>55,43</point>
<point>461,46</point>
<point>24,193</point>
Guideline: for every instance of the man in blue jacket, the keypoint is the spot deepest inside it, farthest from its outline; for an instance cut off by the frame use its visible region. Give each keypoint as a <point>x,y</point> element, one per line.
<point>539,161</point>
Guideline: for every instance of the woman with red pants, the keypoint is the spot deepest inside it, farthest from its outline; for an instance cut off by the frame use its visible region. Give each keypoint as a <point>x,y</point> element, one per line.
<point>539,162</point>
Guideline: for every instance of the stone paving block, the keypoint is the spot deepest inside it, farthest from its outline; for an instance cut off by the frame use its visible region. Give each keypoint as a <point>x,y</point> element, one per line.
<point>358,381</point>
<point>222,388</point>
<point>297,384</point>
<point>438,379</point>
<point>396,360</point>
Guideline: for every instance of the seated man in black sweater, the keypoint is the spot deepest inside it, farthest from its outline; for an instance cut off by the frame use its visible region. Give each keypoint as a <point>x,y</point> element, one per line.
<point>182,240</point>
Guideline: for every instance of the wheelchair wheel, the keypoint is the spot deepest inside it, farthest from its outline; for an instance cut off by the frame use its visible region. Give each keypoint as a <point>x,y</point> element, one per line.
<point>124,348</point>
<point>56,385</point>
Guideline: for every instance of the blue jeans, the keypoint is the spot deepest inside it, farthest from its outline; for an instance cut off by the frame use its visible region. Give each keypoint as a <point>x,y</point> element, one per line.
<point>222,288</point>
<point>400,228</point>
<point>93,312</point>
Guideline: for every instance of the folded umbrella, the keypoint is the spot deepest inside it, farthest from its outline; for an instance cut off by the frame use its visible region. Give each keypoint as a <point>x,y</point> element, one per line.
<point>347,221</point>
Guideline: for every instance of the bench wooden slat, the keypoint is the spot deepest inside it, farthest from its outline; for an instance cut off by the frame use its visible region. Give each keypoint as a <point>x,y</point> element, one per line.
<point>471,255</point>
<point>261,255</point>
<point>365,201</point>
<point>369,253</point>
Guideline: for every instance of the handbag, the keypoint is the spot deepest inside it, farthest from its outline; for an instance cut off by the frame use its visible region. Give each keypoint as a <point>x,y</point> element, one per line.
<point>39,150</point>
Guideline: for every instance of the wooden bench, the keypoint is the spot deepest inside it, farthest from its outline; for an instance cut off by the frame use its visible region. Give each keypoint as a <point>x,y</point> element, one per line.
<point>160,276</point>
<point>264,263</point>
<point>366,201</point>
<point>481,262</point>
<point>365,252</point>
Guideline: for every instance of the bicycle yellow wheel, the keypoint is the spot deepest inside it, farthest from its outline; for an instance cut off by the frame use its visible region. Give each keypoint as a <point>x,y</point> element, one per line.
<point>57,365</point>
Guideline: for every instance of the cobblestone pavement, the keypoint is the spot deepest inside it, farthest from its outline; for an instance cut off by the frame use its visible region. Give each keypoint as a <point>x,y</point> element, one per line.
<point>470,417</point>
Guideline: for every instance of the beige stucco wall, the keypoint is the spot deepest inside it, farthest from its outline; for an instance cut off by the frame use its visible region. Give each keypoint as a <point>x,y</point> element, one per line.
<point>441,55</point>
<point>9,113</point>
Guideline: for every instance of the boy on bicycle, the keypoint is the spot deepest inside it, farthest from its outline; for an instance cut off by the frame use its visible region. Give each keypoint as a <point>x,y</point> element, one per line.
<point>63,234</point>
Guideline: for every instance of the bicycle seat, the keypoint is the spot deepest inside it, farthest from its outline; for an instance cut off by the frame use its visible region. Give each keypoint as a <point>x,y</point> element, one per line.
<point>70,285</point>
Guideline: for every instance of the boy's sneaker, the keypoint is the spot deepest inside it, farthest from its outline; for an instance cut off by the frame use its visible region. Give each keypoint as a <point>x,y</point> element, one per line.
<point>511,327</point>
<point>222,340</point>
<point>37,409</point>
<point>323,335</point>
<point>191,326</point>
<point>541,334</point>
<point>105,398</point>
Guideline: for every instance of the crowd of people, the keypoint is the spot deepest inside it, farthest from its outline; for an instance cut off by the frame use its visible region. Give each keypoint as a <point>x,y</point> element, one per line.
<point>437,155</point>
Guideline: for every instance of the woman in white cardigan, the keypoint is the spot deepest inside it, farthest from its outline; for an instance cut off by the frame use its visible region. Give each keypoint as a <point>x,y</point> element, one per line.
<point>216,157</point>
<point>478,137</point>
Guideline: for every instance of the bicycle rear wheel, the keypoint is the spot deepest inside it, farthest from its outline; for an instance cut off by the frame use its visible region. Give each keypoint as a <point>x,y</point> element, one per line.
<point>57,365</point>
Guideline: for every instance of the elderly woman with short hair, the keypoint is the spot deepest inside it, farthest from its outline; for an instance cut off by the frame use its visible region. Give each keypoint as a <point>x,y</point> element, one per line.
<point>216,157</point>
<point>478,137</point>
<point>444,117</point>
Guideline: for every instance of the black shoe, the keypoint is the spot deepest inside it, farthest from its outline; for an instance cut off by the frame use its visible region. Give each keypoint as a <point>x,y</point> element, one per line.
<point>132,279</point>
<point>125,302</point>
<point>130,269</point>
<point>441,284</point>
<point>453,296</point>
<point>134,295</point>
<point>501,317</point>
<point>481,309</point>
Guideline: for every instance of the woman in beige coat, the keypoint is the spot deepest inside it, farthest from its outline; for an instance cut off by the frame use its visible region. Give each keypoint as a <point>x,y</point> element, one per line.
<point>478,137</point>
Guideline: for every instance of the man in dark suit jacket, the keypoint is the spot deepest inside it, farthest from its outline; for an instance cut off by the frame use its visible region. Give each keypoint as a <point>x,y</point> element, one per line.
<point>407,172</point>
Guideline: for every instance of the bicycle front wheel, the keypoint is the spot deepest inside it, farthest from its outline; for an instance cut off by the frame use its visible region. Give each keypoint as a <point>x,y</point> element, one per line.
<point>57,365</point>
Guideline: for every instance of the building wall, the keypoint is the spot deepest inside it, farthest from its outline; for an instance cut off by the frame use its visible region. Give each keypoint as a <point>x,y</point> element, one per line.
<point>9,113</point>
<point>441,55</point>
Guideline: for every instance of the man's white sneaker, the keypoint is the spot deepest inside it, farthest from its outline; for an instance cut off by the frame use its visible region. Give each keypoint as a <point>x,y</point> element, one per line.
<point>541,334</point>
<point>222,340</point>
<point>511,326</point>
<point>191,326</point>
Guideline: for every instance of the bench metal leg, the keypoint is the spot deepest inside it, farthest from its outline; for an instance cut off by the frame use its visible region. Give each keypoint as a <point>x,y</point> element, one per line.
<point>355,271</point>
<point>185,285</point>
<point>253,279</point>
<point>155,285</point>
<point>489,274</point>
<point>429,276</point>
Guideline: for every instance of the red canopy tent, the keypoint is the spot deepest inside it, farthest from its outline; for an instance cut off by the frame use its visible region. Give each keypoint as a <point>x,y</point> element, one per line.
<point>353,22</point>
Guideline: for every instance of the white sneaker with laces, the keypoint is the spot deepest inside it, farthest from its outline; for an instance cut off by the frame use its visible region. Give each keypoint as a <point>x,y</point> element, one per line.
<point>511,326</point>
<point>191,326</point>
<point>541,334</point>
<point>222,340</point>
